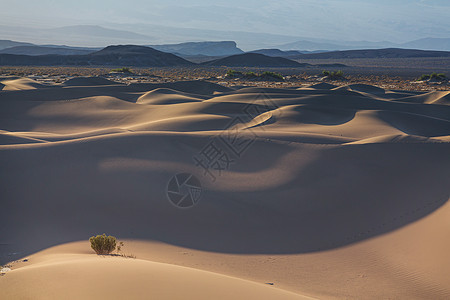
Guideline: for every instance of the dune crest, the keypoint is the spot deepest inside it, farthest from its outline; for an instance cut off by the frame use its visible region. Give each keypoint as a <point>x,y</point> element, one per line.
<point>19,84</point>
<point>141,279</point>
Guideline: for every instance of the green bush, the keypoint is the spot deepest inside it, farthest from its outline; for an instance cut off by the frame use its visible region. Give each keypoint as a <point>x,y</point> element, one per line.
<point>273,75</point>
<point>424,77</point>
<point>233,73</point>
<point>333,74</point>
<point>122,70</point>
<point>251,74</point>
<point>435,76</point>
<point>103,244</point>
<point>339,73</point>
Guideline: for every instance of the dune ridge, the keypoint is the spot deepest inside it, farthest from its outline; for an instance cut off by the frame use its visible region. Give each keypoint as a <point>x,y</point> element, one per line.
<point>336,192</point>
<point>133,278</point>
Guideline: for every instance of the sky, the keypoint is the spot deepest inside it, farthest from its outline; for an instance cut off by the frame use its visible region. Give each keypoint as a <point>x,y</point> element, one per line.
<point>378,20</point>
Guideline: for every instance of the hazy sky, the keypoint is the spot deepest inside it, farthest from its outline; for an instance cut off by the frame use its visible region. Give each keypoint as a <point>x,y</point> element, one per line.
<point>394,20</point>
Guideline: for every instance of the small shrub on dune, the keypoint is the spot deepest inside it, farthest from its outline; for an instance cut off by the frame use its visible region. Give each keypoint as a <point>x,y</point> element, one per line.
<point>103,244</point>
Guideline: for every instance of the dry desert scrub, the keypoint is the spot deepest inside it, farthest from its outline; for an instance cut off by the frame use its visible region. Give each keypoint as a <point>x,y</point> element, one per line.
<point>294,77</point>
<point>103,244</point>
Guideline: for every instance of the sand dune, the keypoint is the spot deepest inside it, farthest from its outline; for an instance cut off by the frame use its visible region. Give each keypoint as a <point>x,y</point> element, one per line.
<point>88,81</point>
<point>364,88</point>
<point>116,278</point>
<point>430,98</point>
<point>330,193</point>
<point>168,96</point>
<point>18,84</point>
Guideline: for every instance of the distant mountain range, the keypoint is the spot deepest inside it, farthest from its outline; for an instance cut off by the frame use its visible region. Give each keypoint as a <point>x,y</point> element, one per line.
<point>143,56</point>
<point>201,48</point>
<point>442,44</point>
<point>374,53</point>
<point>277,52</point>
<point>130,55</point>
<point>428,44</point>
<point>45,50</point>
<point>4,44</point>
<point>253,60</point>
<point>151,34</point>
<point>222,48</point>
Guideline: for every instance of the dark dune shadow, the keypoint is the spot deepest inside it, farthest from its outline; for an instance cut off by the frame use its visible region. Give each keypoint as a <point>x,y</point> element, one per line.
<point>364,88</point>
<point>340,99</point>
<point>62,192</point>
<point>348,194</point>
<point>89,81</point>
<point>323,116</point>
<point>413,124</point>
<point>288,93</point>
<point>123,92</point>
<point>424,98</point>
<point>323,86</point>
<point>358,102</point>
<point>333,202</point>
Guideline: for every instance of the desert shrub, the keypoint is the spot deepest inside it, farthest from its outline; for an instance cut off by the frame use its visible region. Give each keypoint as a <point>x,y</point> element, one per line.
<point>435,76</point>
<point>339,73</point>
<point>122,70</point>
<point>333,74</point>
<point>440,76</point>
<point>424,77</point>
<point>233,73</point>
<point>103,244</point>
<point>251,74</point>
<point>273,75</point>
<point>119,247</point>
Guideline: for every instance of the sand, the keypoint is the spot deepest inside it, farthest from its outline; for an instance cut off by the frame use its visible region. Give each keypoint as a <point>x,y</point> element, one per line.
<point>330,192</point>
